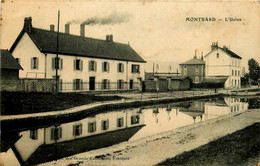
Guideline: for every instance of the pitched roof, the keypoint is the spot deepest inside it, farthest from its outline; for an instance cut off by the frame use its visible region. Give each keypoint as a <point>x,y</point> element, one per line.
<point>194,61</point>
<point>216,79</point>
<point>229,52</point>
<point>8,61</point>
<point>150,76</point>
<point>46,41</point>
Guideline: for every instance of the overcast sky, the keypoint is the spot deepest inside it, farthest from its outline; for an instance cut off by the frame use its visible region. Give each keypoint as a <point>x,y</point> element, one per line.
<point>156,30</point>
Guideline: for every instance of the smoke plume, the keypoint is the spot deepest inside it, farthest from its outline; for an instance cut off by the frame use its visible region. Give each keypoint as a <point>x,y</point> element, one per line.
<point>111,19</point>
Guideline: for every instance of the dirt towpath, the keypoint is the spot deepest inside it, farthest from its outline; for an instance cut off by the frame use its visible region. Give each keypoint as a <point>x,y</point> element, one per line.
<point>157,148</point>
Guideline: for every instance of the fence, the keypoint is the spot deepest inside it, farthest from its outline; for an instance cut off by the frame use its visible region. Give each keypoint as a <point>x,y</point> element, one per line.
<point>97,86</point>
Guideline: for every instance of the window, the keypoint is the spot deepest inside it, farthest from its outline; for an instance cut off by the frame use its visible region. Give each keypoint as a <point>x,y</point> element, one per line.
<point>77,130</point>
<point>120,122</point>
<point>185,70</point>
<point>238,73</point>
<point>104,124</point>
<point>235,72</point>
<point>92,66</point>
<point>56,133</point>
<point>232,72</point>
<point>120,68</point>
<point>196,79</point>
<point>105,84</point>
<point>34,63</point>
<point>56,62</point>
<point>135,69</point>
<point>77,84</point>
<point>135,119</point>
<point>217,55</point>
<point>105,67</point>
<point>78,64</point>
<point>34,134</point>
<point>120,84</point>
<point>91,127</point>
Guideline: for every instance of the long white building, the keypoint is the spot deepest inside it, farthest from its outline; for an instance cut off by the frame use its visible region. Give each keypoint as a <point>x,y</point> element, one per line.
<point>83,63</point>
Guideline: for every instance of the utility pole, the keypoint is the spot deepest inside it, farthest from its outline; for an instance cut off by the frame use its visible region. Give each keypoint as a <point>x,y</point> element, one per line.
<point>57,55</point>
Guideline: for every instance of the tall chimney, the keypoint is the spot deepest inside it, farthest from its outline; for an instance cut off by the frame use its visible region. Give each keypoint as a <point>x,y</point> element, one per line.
<point>52,27</point>
<point>67,28</point>
<point>82,30</point>
<point>111,38</point>
<point>28,24</point>
<point>214,45</point>
<point>107,38</point>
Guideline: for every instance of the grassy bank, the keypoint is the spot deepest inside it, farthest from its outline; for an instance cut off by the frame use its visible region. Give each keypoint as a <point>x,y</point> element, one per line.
<point>13,103</point>
<point>233,149</point>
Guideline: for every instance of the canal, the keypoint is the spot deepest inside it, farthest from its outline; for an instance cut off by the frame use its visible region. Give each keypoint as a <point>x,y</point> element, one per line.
<point>35,145</point>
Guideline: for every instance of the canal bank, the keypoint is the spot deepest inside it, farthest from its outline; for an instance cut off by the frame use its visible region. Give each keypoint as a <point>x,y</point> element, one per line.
<point>13,121</point>
<point>157,148</point>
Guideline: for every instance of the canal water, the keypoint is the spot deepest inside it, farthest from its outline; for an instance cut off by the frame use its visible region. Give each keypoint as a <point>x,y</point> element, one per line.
<point>37,145</point>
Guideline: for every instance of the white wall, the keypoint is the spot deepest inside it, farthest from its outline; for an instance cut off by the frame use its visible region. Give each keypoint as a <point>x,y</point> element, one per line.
<point>25,50</point>
<point>27,146</point>
<point>67,128</point>
<point>223,66</point>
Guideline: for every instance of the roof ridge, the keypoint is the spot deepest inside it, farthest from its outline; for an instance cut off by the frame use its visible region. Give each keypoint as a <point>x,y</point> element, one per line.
<point>73,35</point>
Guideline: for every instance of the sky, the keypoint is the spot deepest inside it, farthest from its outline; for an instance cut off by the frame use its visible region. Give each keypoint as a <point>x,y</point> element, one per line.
<point>156,30</point>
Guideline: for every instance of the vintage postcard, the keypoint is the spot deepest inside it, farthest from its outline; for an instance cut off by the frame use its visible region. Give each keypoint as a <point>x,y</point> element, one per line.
<point>143,82</point>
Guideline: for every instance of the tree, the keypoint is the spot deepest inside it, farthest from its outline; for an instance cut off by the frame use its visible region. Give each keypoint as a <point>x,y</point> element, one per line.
<point>253,67</point>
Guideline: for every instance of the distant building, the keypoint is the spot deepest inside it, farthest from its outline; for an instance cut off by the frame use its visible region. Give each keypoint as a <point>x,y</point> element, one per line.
<point>166,82</point>
<point>83,63</point>
<point>223,63</point>
<point>194,68</point>
<point>9,71</point>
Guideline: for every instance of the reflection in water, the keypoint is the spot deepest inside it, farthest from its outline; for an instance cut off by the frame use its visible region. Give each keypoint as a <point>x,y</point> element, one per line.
<point>40,145</point>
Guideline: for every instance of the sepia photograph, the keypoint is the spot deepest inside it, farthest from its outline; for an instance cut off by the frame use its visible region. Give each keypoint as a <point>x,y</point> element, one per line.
<point>142,82</point>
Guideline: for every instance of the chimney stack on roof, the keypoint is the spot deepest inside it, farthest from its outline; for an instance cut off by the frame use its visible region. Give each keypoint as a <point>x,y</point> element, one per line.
<point>202,56</point>
<point>67,28</point>
<point>195,56</point>
<point>111,38</point>
<point>52,27</point>
<point>82,30</point>
<point>28,24</point>
<point>107,38</point>
<point>225,48</point>
<point>214,45</point>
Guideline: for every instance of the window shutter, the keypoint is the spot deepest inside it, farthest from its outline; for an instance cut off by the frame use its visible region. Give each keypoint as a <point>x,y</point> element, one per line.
<point>107,123</point>
<point>37,63</point>
<point>61,63</point>
<point>89,65</point>
<point>81,84</point>
<point>81,65</point>
<point>102,125</point>
<point>103,66</point>
<point>95,66</point>
<point>89,127</point>
<point>118,65</point>
<point>52,134</point>
<point>108,84</point>
<point>108,67</point>
<point>80,129</point>
<point>74,84</point>
<point>74,130</point>
<point>94,126</point>
<point>60,132</point>
<point>122,68</point>
<point>31,63</point>
<point>74,64</point>
<point>102,84</point>
<point>53,63</point>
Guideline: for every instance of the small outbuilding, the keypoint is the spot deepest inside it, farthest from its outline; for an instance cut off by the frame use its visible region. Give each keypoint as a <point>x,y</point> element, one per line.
<point>9,71</point>
<point>166,82</point>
